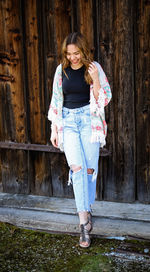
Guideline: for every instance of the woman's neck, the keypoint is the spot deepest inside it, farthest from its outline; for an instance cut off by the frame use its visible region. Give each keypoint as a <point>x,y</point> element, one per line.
<point>76,67</point>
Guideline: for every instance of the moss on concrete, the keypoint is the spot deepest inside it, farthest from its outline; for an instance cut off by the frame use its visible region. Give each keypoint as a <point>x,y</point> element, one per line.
<point>27,250</point>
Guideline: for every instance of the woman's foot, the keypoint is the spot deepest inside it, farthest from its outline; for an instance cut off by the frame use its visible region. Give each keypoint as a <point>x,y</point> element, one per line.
<point>85,240</point>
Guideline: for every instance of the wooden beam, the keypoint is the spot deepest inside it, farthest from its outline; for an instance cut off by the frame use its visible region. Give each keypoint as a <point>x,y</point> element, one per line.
<point>44,148</point>
<point>59,215</point>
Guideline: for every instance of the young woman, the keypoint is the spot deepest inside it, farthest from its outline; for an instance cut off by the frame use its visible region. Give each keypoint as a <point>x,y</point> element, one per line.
<point>80,93</point>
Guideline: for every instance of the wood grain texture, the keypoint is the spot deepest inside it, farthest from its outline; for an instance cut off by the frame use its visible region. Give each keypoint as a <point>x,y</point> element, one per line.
<point>85,19</point>
<point>40,177</point>
<point>13,121</point>
<point>142,79</point>
<point>59,215</point>
<point>62,11</point>
<point>34,74</point>
<point>12,90</point>
<point>120,171</point>
<point>14,171</point>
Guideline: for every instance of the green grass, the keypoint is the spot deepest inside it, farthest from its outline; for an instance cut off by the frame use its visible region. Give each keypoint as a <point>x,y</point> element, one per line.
<point>27,250</point>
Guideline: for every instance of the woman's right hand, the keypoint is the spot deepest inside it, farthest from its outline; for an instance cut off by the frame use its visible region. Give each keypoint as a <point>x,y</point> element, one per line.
<point>54,137</point>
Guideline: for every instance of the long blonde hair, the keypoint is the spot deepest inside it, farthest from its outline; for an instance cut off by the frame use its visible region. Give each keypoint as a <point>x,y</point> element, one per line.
<point>79,40</point>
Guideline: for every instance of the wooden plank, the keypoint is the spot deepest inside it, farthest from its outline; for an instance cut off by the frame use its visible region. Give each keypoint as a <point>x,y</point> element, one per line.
<point>38,163</point>
<point>14,171</point>
<point>103,209</point>
<point>85,19</point>
<point>33,147</point>
<point>74,20</point>
<point>34,74</point>
<point>13,123</point>
<point>62,23</point>
<point>119,170</point>
<point>65,223</point>
<point>41,177</point>
<point>50,53</point>
<point>103,44</point>
<point>11,48</point>
<point>37,147</point>
<point>59,215</point>
<point>142,59</point>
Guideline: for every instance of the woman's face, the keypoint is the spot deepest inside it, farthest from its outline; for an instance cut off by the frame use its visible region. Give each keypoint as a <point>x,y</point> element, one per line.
<point>74,56</point>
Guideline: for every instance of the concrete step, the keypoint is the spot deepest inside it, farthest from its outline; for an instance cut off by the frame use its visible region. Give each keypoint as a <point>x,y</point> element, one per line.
<point>59,215</point>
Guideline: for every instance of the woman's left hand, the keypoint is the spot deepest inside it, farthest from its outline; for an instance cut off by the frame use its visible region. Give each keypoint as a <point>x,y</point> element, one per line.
<point>93,71</point>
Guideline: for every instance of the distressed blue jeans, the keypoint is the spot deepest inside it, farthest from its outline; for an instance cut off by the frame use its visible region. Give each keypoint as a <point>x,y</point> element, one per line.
<point>82,153</point>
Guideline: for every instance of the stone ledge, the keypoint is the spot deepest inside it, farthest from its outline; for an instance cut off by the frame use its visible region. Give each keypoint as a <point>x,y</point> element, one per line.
<point>59,215</point>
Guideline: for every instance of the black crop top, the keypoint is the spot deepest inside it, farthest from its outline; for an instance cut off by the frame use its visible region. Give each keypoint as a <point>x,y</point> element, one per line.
<point>75,89</point>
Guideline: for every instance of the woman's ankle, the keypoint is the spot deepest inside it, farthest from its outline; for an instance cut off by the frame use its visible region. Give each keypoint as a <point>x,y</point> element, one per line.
<point>83,217</point>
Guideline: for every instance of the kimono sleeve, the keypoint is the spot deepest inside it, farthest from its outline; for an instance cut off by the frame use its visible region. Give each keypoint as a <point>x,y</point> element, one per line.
<point>53,107</point>
<point>104,97</point>
<point>105,91</point>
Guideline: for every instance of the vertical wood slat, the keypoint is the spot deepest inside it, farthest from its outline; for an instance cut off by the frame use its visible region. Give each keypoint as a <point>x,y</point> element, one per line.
<point>39,163</point>
<point>34,74</point>
<point>85,19</point>
<point>120,171</point>
<point>142,58</point>
<point>103,44</point>
<point>62,23</point>
<point>4,133</point>
<point>50,52</point>
<point>12,94</point>
<point>14,171</point>
<point>13,125</point>
<point>40,174</point>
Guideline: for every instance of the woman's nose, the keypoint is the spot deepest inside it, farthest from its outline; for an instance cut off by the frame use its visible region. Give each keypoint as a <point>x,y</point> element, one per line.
<point>72,57</point>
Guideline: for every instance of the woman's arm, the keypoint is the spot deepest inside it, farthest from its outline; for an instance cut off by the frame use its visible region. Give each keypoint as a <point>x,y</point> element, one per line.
<point>54,136</point>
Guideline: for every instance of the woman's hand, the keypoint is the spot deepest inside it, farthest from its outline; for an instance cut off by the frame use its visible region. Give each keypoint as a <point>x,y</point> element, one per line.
<point>93,71</point>
<point>54,137</point>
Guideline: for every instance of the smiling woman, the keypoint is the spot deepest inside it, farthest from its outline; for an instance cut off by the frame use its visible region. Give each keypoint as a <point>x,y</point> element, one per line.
<point>80,93</point>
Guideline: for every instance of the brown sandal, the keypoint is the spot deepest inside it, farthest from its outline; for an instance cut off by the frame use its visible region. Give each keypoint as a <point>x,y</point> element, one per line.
<point>84,236</point>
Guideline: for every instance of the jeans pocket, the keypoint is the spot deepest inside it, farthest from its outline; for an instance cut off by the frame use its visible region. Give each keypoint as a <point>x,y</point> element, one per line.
<point>65,114</point>
<point>87,112</point>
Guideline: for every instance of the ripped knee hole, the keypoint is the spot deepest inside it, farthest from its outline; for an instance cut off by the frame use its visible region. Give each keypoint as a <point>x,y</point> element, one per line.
<point>90,171</point>
<point>75,168</point>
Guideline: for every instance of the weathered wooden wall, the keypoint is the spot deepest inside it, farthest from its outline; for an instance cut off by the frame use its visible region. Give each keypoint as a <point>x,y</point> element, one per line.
<point>30,44</point>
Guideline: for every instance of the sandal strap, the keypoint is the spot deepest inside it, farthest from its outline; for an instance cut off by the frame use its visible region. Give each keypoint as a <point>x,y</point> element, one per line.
<point>84,233</point>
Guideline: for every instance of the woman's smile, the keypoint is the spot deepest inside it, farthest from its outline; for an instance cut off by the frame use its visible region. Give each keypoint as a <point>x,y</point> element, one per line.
<point>74,56</point>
